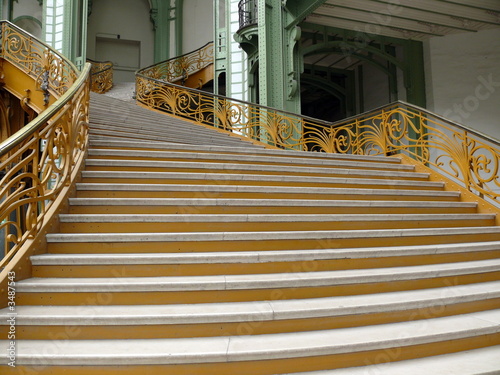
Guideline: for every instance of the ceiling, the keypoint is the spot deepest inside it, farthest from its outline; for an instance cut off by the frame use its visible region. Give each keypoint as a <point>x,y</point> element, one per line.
<point>408,19</point>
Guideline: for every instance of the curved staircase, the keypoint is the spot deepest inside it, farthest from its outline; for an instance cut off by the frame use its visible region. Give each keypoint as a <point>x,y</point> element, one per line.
<point>192,251</point>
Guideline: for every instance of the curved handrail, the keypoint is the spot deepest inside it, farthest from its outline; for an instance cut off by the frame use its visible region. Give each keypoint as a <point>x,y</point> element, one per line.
<point>181,67</point>
<point>39,163</point>
<point>101,75</point>
<point>465,128</point>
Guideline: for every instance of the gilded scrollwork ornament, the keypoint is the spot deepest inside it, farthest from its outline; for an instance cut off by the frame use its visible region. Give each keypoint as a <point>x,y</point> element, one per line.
<point>36,168</point>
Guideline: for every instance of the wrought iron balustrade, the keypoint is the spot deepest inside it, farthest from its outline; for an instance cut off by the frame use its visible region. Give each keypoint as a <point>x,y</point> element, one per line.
<point>247,11</point>
<point>179,69</point>
<point>101,76</point>
<point>40,162</point>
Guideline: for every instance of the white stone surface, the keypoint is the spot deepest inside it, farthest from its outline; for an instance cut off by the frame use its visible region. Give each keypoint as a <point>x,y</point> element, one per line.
<point>253,311</point>
<point>388,163</point>
<point>259,256</point>
<point>259,347</point>
<point>258,281</point>
<point>263,189</point>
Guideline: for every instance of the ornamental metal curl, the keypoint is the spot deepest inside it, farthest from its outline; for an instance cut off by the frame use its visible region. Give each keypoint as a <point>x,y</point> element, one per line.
<point>180,68</point>
<point>101,76</point>
<point>38,162</point>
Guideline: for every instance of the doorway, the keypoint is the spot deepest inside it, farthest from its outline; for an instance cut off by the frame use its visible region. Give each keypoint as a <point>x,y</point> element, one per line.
<point>125,55</point>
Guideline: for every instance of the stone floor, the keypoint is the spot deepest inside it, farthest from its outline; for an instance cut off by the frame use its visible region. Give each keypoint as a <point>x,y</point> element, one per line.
<point>123,91</point>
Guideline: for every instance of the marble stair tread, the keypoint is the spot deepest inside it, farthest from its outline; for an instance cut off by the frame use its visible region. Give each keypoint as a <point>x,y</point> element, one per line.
<point>198,133</point>
<point>483,361</point>
<point>160,146</point>
<point>186,138</point>
<point>124,164</point>
<point>267,236</point>
<point>256,281</point>
<point>93,153</point>
<point>259,347</point>
<point>266,218</point>
<point>215,176</point>
<point>260,256</point>
<point>262,189</point>
<point>262,202</point>
<point>253,311</point>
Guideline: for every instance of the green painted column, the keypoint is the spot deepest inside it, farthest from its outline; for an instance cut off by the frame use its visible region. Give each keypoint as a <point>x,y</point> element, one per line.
<point>179,25</point>
<point>279,57</point>
<point>415,73</point>
<point>167,18</point>
<point>159,18</point>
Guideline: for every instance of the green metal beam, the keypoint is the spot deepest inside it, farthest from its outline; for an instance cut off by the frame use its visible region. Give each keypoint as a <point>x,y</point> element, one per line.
<point>179,18</point>
<point>330,87</point>
<point>347,47</point>
<point>300,10</point>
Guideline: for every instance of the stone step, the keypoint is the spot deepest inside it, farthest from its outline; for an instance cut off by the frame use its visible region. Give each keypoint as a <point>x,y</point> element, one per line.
<point>262,241</point>
<point>267,282</point>
<point>277,353</point>
<point>256,179</point>
<point>260,317</point>
<point>483,361</point>
<point>212,157</point>
<point>255,261</point>
<point>161,128</point>
<point>175,139</point>
<point>200,167</point>
<point>143,223</point>
<point>162,146</point>
<point>115,190</point>
<point>262,206</point>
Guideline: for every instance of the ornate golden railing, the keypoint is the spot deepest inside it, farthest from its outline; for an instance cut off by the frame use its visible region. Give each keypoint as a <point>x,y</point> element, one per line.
<point>454,150</point>
<point>463,154</point>
<point>101,76</point>
<point>51,72</point>
<point>39,163</point>
<point>179,69</point>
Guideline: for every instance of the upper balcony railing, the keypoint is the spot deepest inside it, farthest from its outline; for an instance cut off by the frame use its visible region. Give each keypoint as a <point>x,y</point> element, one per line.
<point>179,69</point>
<point>248,15</point>
<point>101,76</point>
<point>40,162</point>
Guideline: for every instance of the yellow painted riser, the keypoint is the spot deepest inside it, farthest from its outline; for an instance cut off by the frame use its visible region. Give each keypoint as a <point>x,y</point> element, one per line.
<point>221,209</point>
<point>141,227</point>
<point>310,172</point>
<point>204,246</point>
<point>81,332</point>
<point>152,298</point>
<point>209,181</point>
<point>210,194</point>
<point>152,270</point>
<point>271,367</point>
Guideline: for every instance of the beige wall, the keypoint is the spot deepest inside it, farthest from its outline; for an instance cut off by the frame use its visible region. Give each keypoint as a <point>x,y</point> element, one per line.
<point>128,19</point>
<point>28,8</point>
<point>198,27</point>
<point>463,79</point>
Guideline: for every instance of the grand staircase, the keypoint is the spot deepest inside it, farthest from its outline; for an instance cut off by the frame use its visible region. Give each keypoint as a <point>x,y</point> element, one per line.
<point>192,251</point>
